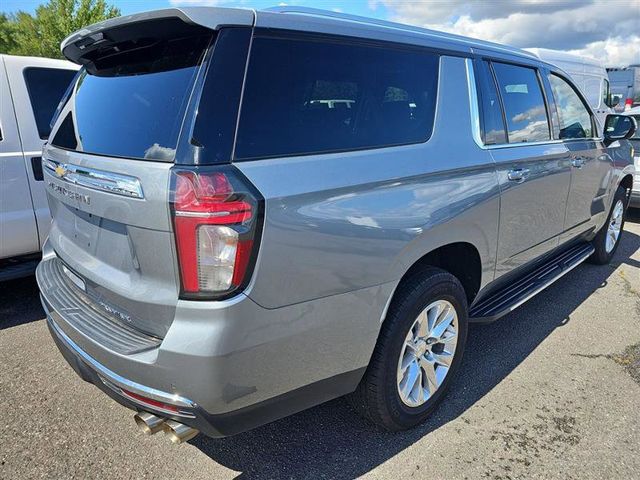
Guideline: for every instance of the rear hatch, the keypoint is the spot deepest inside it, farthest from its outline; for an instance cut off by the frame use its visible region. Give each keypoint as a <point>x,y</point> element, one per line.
<point>108,165</point>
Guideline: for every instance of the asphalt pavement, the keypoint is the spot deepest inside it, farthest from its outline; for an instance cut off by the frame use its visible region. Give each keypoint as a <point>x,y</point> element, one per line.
<point>550,391</point>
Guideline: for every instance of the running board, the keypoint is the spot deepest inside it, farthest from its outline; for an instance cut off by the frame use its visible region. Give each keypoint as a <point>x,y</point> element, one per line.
<point>515,294</point>
<point>13,271</point>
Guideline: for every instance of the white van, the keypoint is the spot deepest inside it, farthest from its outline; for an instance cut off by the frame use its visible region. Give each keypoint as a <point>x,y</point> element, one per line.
<point>30,90</point>
<point>587,73</point>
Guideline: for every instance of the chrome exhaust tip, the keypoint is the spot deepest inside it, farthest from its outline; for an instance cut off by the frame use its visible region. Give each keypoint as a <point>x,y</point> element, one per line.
<point>178,432</point>
<point>148,422</point>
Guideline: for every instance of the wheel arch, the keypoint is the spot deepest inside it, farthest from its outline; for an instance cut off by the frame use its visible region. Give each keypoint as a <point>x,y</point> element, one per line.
<point>461,259</point>
<point>627,182</point>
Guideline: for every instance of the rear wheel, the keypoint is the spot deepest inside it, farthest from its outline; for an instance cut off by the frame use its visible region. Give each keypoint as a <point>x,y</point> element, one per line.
<point>608,238</point>
<point>418,352</point>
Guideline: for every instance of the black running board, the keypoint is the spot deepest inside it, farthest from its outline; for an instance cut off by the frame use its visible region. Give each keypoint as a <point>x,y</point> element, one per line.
<point>12,271</point>
<point>516,293</point>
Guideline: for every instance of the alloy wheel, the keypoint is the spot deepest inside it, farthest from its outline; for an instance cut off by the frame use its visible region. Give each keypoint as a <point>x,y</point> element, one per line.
<point>427,353</point>
<point>615,225</point>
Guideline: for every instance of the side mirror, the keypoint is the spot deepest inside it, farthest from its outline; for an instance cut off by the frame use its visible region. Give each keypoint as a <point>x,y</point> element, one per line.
<point>613,101</point>
<point>619,127</point>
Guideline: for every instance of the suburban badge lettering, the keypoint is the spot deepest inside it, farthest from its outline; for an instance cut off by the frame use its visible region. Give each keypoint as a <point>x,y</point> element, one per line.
<point>59,189</point>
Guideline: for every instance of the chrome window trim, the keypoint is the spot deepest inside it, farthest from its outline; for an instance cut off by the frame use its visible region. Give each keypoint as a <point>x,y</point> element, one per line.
<point>474,111</point>
<point>94,179</point>
<point>473,103</point>
<point>105,374</point>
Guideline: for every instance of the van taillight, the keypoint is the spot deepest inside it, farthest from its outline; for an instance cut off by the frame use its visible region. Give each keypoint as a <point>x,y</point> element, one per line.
<point>628,103</point>
<point>217,221</point>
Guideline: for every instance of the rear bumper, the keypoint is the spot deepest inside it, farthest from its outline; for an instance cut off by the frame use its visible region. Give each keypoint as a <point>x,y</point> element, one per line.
<point>232,365</point>
<point>191,413</point>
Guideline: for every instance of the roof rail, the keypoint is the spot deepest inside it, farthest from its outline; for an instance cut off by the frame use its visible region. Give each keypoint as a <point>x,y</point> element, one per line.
<point>317,12</point>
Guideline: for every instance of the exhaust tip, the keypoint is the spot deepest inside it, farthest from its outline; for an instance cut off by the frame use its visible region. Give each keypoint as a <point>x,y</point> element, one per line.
<point>148,422</point>
<point>178,432</point>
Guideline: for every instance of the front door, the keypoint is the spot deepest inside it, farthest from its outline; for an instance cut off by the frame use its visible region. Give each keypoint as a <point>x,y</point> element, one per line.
<point>590,164</point>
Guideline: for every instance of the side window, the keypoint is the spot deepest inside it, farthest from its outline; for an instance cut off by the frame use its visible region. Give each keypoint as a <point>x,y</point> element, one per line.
<point>592,91</point>
<point>574,117</point>
<point>493,130</point>
<point>524,106</point>
<point>605,93</point>
<point>304,96</point>
<point>46,87</point>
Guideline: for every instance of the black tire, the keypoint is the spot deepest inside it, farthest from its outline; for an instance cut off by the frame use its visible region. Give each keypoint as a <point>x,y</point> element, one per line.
<point>601,256</point>
<point>377,397</point>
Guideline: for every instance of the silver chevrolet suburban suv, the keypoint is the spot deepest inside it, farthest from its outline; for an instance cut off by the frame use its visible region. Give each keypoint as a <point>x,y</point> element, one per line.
<point>257,211</point>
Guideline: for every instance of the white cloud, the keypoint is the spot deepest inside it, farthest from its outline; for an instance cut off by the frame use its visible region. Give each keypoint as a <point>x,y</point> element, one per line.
<point>617,51</point>
<point>605,29</point>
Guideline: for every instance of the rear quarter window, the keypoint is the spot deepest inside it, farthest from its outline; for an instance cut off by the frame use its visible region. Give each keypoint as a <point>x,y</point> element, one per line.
<point>46,86</point>
<point>309,95</point>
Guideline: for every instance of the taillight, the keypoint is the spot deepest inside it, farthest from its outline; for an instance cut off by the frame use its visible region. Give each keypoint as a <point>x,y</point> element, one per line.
<point>628,103</point>
<point>217,222</point>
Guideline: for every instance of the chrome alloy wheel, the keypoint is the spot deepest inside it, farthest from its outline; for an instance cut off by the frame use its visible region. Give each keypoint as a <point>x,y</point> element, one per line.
<point>615,224</point>
<point>427,353</point>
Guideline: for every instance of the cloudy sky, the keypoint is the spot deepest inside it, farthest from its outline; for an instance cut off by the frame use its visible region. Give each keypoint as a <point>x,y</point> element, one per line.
<point>605,29</point>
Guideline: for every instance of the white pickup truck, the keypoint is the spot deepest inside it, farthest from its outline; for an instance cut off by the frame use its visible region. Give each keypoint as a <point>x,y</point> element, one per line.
<point>30,90</point>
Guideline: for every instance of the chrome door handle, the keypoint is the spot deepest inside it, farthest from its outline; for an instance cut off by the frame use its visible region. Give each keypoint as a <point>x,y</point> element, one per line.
<point>518,174</point>
<point>577,162</point>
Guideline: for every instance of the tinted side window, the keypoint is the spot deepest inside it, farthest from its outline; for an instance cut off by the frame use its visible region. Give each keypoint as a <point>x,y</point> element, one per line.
<point>307,96</point>
<point>490,108</point>
<point>575,119</point>
<point>525,110</point>
<point>46,87</point>
<point>605,93</point>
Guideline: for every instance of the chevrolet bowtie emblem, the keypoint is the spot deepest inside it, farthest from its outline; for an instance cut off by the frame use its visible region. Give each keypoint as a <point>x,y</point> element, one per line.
<point>60,171</point>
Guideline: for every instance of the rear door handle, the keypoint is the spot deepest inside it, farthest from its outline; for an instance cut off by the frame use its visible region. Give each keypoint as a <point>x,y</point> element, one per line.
<point>518,174</point>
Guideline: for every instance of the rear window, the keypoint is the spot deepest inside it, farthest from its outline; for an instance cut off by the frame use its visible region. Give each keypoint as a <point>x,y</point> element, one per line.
<point>492,121</point>
<point>46,87</point>
<point>306,96</point>
<point>525,109</point>
<point>132,104</point>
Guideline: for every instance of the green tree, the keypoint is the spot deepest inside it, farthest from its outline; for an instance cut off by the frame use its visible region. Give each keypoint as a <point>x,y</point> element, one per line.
<point>7,35</point>
<point>40,35</point>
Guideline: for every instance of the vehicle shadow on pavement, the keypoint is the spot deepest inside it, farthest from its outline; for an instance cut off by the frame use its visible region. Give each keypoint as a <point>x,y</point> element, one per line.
<point>19,302</point>
<point>332,441</point>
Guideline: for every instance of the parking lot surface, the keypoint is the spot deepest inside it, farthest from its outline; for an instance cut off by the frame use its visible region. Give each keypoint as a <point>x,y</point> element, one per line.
<point>550,391</point>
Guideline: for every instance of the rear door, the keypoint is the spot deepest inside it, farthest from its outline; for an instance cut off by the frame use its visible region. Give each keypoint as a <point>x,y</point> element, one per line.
<point>37,86</point>
<point>533,170</point>
<point>18,233</point>
<point>590,164</point>
<point>108,165</point>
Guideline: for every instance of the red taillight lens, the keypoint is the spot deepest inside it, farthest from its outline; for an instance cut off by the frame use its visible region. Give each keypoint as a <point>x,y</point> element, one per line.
<point>216,221</point>
<point>150,402</point>
<point>628,103</point>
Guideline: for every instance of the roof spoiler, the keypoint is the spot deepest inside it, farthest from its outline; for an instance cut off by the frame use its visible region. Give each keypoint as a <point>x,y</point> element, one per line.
<point>78,46</point>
